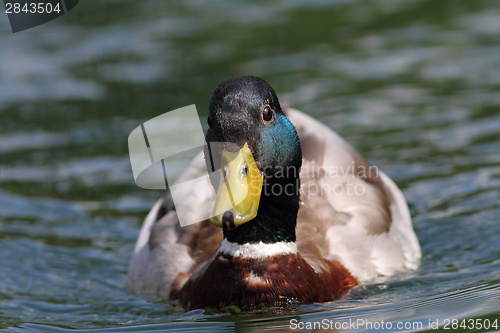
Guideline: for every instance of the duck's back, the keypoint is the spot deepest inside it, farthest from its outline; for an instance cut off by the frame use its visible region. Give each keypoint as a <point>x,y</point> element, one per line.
<point>351,211</point>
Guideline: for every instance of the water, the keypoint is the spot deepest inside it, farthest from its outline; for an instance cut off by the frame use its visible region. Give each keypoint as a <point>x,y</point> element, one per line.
<point>413,85</point>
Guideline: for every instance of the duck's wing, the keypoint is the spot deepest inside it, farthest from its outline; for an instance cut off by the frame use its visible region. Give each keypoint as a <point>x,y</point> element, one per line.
<point>351,211</point>
<point>165,252</point>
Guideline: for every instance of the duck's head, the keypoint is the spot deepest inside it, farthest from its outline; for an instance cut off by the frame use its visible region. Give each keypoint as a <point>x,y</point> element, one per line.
<point>260,162</point>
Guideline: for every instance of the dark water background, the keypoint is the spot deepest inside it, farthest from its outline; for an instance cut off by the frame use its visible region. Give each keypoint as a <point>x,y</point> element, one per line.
<point>414,85</point>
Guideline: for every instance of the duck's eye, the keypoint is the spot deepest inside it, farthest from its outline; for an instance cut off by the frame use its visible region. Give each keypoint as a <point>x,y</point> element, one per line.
<point>210,121</point>
<point>267,114</point>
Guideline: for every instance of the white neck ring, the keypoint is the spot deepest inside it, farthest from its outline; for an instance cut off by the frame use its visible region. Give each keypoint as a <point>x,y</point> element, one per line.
<point>257,250</point>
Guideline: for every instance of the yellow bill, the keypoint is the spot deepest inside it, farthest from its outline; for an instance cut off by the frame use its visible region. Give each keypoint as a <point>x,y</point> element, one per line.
<point>239,190</point>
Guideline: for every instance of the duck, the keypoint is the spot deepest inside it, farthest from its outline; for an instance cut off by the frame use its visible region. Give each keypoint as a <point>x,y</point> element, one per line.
<point>314,218</point>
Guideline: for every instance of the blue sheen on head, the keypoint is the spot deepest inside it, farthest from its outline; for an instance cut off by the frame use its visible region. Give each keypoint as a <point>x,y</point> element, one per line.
<point>280,145</point>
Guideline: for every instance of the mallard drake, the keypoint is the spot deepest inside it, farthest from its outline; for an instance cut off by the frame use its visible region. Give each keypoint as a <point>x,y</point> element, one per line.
<point>322,221</point>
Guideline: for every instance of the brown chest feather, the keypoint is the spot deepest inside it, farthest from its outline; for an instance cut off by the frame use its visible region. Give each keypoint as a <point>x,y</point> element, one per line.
<point>248,282</point>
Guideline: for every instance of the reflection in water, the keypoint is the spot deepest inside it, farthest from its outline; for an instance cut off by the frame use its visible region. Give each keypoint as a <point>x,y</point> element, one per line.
<point>413,85</point>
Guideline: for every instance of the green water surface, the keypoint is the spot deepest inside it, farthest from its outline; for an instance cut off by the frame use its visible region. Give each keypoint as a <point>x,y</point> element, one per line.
<point>414,85</point>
